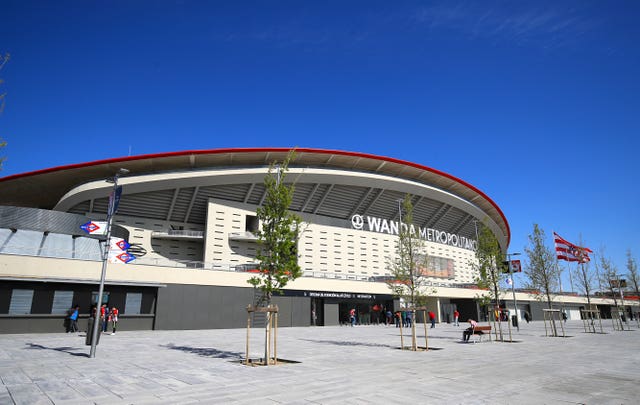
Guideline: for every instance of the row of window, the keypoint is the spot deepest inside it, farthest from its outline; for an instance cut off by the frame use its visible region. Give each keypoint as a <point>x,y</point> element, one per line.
<point>22,301</point>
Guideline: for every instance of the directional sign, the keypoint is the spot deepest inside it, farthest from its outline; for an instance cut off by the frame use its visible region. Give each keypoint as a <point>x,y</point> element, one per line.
<point>121,257</point>
<point>119,244</point>
<point>95,227</point>
<point>118,251</point>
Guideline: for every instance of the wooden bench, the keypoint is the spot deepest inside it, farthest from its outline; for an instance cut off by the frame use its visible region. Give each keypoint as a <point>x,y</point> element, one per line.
<point>480,331</point>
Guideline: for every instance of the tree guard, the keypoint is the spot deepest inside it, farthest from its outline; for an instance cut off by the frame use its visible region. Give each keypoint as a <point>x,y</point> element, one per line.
<point>588,320</point>
<point>616,318</point>
<point>552,315</point>
<point>271,334</point>
<point>414,346</point>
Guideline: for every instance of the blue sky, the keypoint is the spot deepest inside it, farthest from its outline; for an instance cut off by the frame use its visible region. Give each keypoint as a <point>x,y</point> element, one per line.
<point>533,102</point>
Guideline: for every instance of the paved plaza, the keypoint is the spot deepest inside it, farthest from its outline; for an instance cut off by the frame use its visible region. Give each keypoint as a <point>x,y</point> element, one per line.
<point>335,365</point>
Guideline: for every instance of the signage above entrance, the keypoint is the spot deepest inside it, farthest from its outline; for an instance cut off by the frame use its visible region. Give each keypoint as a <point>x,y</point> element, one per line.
<point>374,224</point>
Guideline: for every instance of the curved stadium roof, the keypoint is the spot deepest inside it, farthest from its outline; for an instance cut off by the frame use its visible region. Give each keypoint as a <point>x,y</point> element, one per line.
<point>176,187</point>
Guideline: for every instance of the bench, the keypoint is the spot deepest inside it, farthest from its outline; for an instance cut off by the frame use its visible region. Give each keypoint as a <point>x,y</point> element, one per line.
<point>480,331</point>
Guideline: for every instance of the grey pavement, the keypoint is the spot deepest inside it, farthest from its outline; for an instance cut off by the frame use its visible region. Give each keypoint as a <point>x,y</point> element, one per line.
<point>329,365</point>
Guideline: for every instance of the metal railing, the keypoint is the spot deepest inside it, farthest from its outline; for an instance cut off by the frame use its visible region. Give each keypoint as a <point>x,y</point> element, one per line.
<point>178,233</point>
<point>209,266</point>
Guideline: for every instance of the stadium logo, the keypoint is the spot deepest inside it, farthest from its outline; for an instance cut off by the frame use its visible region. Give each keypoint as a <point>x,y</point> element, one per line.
<point>380,225</point>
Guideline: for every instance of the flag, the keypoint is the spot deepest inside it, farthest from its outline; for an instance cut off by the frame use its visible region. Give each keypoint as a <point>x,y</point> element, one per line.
<point>566,250</point>
<point>114,201</point>
<point>516,266</point>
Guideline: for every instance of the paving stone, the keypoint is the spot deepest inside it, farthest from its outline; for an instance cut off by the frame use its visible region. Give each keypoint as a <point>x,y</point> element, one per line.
<point>28,394</point>
<point>337,365</point>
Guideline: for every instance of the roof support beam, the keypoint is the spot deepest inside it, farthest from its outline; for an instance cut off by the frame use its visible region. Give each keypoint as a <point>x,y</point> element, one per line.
<point>413,203</point>
<point>193,199</point>
<point>324,197</point>
<point>373,201</point>
<point>461,224</point>
<point>442,211</point>
<point>173,203</point>
<point>246,197</point>
<point>354,211</point>
<point>309,197</point>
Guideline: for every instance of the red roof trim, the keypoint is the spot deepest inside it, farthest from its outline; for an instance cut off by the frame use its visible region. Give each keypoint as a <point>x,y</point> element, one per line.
<point>265,149</point>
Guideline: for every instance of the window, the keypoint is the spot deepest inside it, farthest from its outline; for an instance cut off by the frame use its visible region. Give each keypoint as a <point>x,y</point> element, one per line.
<point>105,297</point>
<point>252,223</point>
<point>62,301</point>
<point>133,304</point>
<point>21,302</point>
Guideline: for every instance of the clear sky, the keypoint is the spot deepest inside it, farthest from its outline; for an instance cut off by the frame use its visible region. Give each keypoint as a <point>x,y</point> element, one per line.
<point>536,103</point>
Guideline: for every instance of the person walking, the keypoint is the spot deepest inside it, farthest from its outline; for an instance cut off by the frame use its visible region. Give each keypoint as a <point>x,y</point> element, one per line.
<point>456,315</point>
<point>432,318</point>
<point>352,316</point>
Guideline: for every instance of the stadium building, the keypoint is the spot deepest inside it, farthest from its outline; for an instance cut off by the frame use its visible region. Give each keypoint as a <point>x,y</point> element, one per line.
<point>190,218</point>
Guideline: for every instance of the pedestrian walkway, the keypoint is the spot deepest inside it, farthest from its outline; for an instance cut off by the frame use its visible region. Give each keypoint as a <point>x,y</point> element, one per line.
<point>335,365</point>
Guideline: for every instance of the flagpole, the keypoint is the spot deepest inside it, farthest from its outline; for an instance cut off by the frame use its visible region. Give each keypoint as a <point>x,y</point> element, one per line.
<point>513,289</point>
<point>110,212</point>
<point>555,235</point>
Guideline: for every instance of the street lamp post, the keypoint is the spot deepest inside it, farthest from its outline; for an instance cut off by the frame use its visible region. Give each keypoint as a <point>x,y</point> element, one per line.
<point>105,258</point>
<point>621,296</point>
<point>513,289</point>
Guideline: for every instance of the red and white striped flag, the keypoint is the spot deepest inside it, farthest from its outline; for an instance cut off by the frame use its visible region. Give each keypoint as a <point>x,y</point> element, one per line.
<point>566,250</point>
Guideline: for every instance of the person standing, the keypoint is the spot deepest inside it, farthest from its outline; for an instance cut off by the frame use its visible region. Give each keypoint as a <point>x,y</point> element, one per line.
<point>456,315</point>
<point>432,318</point>
<point>352,316</point>
<point>113,316</point>
<point>73,318</point>
<point>104,313</point>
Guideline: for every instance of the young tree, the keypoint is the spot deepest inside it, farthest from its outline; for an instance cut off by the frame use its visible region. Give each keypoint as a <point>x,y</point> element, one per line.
<point>585,278</point>
<point>542,271</point>
<point>609,280</point>
<point>607,275</point>
<point>278,235</point>
<point>632,269</point>
<point>408,268</point>
<point>489,266</point>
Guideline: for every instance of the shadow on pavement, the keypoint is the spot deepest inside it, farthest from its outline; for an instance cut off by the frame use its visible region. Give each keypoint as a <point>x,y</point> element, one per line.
<point>347,343</point>
<point>64,349</point>
<point>205,351</point>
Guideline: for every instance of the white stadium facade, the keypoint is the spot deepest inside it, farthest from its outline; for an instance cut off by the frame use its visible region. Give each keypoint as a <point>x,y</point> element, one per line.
<point>190,218</point>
